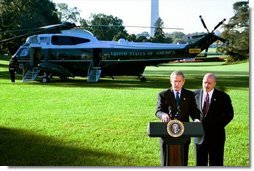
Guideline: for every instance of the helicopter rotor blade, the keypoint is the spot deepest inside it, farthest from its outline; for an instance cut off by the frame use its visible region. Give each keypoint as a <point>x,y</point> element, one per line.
<point>31,29</point>
<point>16,37</point>
<point>62,26</point>
<point>22,35</point>
<point>196,36</point>
<point>220,23</point>
<point>222,39</point>
<point>172,28</point>
<point>19,30</point>
<point>203,23</point>
<point>50,26</point>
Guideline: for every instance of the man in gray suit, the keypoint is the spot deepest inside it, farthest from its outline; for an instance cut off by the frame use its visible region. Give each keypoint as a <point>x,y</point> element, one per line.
<point>217,112</point>
<point>170,106</point>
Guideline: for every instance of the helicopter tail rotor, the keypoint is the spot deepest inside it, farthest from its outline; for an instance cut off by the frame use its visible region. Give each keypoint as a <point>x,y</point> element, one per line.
<point>203,23</point>
<point>219,24</point>
<point>222,39</point>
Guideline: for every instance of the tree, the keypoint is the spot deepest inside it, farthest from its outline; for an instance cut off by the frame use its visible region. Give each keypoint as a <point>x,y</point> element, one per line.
<point>120,35</point>
<point>142,38</point>
<point>22,16</point>
<point>177,37</point>
<point>237,33</point>
<point>105,27</point>
<point>159,35</point>
<point>132,37</point>
<point>65,13</point>
<point>144,34</point>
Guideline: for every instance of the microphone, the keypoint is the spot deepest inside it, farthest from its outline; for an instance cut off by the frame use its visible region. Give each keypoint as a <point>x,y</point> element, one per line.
<point>178,112</point>
<point>170,112</point>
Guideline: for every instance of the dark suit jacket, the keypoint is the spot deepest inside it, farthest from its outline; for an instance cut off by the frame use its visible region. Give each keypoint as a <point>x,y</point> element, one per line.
<point>167,104</point>
<point>220,113</point>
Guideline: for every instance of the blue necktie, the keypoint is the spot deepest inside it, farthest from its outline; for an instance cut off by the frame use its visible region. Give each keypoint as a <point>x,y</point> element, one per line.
<point>177,99</point>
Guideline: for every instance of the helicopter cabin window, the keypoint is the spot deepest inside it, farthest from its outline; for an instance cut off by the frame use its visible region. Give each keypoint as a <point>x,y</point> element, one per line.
<point>68,40</point>
<point>24,52</point>
<point>69,54</point>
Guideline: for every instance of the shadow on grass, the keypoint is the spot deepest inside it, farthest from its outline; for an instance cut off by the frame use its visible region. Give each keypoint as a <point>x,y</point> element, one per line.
<point>4,74</point>
<point>226,80</point>
<point>4,65</point>
<point>192,64</point>
<point>23,148</point>
<point>155,79</point>
<point>5,57</point>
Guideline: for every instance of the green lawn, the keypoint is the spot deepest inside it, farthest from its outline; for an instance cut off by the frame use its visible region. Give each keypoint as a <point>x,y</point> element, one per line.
<point>76,123</point>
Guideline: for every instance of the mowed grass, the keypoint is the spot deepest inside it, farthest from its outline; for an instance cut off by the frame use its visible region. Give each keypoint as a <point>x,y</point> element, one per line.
<point>75,123</point>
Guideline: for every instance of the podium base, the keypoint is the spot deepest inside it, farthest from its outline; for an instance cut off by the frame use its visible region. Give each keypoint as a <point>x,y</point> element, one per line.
<point>175,155</point>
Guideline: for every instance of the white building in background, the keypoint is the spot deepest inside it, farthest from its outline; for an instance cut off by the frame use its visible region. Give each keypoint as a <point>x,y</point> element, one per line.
<point>154,14</point>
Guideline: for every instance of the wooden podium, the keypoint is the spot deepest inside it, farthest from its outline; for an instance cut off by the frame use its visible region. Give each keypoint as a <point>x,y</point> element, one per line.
<point>175,144</point>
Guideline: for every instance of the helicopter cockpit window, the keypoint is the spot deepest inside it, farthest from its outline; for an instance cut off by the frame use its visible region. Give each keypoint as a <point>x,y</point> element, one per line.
<point>44,39</point>
<point>68,40</point>
<point>24,52</point>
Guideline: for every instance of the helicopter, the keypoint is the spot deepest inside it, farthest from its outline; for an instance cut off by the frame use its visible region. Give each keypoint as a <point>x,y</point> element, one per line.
<point>74,52</point>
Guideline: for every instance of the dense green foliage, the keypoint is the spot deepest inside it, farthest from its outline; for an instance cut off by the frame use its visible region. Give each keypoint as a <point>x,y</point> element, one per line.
<point>105,27</point>
<point>66,14</point>
<point>19,17</point>
<point>75,123</point>
<point>237,33</point>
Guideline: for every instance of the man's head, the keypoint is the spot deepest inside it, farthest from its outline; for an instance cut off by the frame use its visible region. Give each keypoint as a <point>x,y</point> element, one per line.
<point>177,80</point>
<point>209,82</point>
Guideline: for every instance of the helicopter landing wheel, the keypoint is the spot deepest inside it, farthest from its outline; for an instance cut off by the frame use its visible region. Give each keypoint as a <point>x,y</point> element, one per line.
<point>45,79</point>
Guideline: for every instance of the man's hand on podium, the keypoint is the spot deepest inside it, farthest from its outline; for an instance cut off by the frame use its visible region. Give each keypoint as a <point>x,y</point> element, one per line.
<point>165,118</point>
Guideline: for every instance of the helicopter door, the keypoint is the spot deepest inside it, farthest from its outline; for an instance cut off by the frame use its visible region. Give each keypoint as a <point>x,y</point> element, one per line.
<point>97,54</point>
<point>35,56</point>
<point>94,70</point>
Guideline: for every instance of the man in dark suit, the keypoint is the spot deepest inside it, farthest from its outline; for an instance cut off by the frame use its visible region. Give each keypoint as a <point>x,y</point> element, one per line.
<point>217,112</point>
<point>12,70</point>
<point>168,107</point>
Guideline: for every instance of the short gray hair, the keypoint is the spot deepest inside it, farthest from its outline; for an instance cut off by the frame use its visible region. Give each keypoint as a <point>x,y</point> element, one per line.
<point>180,73</point>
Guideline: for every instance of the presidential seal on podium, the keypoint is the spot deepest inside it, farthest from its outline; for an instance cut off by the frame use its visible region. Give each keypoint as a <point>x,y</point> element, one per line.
<point>175,128</point>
